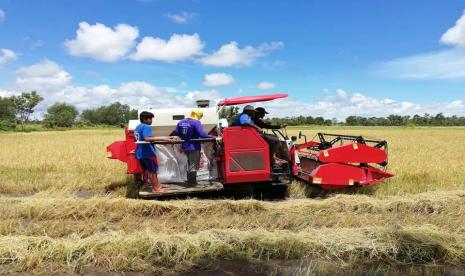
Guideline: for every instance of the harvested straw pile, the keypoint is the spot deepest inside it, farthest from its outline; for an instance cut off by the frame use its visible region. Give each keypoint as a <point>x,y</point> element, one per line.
<point>64,234</point>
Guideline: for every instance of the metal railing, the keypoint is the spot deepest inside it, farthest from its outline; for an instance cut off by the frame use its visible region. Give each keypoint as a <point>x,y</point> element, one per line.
<point>198,140</point>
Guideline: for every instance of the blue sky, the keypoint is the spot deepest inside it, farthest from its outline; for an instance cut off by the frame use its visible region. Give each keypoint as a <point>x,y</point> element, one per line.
<point>334,58</point>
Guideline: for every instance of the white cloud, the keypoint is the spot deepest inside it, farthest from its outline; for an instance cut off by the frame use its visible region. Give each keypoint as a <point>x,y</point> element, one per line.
<point>180,18</point>
<point>55,85</point>
<point>2,16</point>
<point>264,85</point>
<point>212,95</point>
<point>136,94</point>
<point>178,47</point>
<point>101,42</point>
<point>7,93</point>
<point>108,44</point>
<point>231,55</point>
<point>455,35</point>
<point>37,44</point>
<point>218,79</point>
<point>43,76</point>
<point>7,55</point>
<point>444,64</point>
<point>342,104</point>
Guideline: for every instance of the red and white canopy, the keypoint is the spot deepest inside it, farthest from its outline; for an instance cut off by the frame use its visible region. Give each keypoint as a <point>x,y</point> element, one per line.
<point>251,99</point>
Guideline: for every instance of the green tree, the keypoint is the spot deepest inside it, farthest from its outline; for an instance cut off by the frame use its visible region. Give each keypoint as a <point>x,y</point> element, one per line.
<point>439,120</point>
<point>113,114</point>
<point>60,115</point>
<point>7,109</point>
<point>24,106</point>
<point>133,114</point>
<point>89,116</point>
<point>7,114</point>
<point>352,120</point>
<point>229,113</point>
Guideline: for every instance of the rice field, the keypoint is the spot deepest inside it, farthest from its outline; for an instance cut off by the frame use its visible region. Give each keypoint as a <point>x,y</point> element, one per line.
<point>64,210</point>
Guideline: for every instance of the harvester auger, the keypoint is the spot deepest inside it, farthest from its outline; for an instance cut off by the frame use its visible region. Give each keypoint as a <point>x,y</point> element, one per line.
<point>240,155</point>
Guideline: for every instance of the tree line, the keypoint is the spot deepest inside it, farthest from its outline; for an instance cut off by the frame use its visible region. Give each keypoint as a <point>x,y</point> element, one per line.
<point>17,110</point>
<point>391,120</point>
<point>415,120</point>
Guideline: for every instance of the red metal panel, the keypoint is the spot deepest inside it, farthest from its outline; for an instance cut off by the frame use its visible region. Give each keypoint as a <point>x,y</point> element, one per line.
<point>338,174</point>
<point>133,164</point>
<point>353,153</point>
<point>375,175</point>
<point>246,156</point>
<point>124,151</point>
<point>307,145</point>
<point>334,176</point>
<point>251,99</point>
<point>117,150</point>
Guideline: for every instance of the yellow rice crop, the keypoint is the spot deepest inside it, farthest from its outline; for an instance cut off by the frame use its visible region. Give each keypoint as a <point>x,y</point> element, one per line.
<point>63,209</point>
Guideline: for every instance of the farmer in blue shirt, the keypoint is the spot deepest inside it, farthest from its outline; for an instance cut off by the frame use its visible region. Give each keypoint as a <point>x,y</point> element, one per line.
<point>245,118</point>
<point>145,151</point>
<point>187,129</point>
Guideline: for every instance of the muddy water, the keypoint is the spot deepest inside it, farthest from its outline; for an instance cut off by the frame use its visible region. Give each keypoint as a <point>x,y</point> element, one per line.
<point>299,267</point>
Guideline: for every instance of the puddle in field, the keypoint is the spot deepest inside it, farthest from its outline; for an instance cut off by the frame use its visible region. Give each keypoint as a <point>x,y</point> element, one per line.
<point>281,268</point>
<point>83,194</point>
<point>299,267</point>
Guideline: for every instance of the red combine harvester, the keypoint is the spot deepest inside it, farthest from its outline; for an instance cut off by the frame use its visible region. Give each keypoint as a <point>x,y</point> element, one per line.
<point>240,155</point>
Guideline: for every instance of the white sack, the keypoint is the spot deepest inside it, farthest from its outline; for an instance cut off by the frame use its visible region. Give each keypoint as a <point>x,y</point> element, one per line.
<point>172,164</point>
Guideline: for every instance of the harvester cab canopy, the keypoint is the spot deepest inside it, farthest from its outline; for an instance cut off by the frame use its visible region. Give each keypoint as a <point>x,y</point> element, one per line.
<point>250,99</point>
<point>245,100</point>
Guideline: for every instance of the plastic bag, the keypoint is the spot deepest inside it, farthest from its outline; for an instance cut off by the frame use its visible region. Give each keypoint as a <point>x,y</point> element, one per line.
<point>172,164</point>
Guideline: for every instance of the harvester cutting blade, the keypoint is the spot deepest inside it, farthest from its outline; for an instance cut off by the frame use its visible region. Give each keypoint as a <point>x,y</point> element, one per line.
<point>352,164</point>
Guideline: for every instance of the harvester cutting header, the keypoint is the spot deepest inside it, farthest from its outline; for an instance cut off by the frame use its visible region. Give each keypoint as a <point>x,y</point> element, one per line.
<point>240,153</point>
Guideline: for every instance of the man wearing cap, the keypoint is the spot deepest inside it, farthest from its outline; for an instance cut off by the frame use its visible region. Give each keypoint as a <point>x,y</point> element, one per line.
<point>272,140</point>
<point>245,118</point>
<point>258,120</point>
<point>188,129</point>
